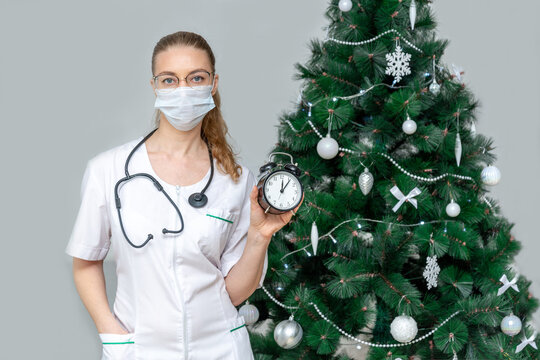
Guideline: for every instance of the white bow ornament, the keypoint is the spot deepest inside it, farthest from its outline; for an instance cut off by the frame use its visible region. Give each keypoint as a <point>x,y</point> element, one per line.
<point>525,342</point>
<point>507,284</point>
<point>402,198</point>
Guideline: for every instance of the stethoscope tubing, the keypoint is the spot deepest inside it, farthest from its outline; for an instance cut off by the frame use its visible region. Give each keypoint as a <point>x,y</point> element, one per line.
<point>200,199</point>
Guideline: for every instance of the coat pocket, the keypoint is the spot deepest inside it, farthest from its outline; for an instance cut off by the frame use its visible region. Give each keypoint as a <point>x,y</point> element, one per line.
<point>118,346</point>
<point>240,336</point>
<point>217,225</point>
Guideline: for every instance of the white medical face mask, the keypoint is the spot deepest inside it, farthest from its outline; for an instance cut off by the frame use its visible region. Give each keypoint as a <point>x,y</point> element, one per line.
<point>184,106</point>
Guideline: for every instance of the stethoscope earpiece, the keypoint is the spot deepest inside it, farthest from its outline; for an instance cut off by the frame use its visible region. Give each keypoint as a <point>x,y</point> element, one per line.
<point>197,200</point>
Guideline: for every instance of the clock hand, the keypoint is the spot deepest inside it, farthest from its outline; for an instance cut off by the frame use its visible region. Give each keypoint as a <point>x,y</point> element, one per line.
<point>281,191</point>
<point>286,185</point>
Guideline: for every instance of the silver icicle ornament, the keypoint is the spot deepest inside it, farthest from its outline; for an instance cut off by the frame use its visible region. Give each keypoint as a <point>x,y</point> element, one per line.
<point>412,14</point>
<point>458,149</point>
<point>314,237</point>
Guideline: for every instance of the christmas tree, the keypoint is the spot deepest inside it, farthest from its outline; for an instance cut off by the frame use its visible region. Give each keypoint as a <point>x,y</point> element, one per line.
<point>397,247</point>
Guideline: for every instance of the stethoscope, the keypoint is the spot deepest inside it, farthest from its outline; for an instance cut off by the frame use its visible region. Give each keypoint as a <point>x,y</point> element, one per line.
<point>196,200</point>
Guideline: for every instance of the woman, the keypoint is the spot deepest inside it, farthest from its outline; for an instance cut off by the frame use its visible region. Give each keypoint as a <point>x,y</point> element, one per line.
<point>184,257</point>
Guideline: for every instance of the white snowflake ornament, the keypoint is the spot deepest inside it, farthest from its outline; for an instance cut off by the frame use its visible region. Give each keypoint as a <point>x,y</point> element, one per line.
<point>431,272</point>
<point>398,64</point>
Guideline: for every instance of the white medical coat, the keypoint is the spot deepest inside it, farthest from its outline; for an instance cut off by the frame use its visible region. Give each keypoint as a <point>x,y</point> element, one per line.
<point>171,294</point>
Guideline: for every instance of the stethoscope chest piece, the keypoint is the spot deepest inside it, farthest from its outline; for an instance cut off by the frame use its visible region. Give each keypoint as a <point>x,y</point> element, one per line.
<point>197,200</point>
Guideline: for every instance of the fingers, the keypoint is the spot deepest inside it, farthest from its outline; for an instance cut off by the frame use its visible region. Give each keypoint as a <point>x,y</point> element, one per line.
<point>253,195</point>
<point>295,210</point>
<point>298,207</point>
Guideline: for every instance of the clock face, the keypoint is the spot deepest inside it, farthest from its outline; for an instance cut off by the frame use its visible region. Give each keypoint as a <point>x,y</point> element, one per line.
<point>282,190</point>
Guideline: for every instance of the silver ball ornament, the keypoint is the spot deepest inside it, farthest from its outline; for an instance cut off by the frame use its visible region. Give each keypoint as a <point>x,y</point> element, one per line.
<point>345,5</point>
<point>453,209</point>
<point>409,126</point>
<point>327,147</point>
<point>491,175</point>
<point>250,313</point>
<point>403,328</point>
<point>288,334</point>
<point>511,325</point>
<point>435,87</point>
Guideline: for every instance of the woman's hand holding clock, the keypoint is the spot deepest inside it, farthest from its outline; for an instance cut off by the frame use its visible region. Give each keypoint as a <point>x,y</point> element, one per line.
<point>267,224</point>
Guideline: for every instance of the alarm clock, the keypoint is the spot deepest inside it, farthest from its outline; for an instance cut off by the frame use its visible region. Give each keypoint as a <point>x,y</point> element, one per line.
<point>279,186</point>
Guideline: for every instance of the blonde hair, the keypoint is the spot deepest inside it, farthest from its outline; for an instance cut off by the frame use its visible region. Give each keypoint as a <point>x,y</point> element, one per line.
<point>214,128</point>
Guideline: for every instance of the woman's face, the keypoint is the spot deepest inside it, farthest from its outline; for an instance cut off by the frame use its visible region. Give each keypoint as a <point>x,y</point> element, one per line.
<point>182,60</point>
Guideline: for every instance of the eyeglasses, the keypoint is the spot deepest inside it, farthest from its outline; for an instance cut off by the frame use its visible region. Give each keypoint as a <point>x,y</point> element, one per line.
<point>195,80</point>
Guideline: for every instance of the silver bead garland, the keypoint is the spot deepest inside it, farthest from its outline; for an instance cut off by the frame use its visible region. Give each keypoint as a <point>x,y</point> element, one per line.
<point>372,39</point>
<point>416,177</point>
<point>423,337</point>
<point>420,178</point>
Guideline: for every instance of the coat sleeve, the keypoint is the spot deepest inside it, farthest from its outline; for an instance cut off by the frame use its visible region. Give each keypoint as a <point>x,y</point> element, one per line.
<point>90,236</point>
<point>235,245</point>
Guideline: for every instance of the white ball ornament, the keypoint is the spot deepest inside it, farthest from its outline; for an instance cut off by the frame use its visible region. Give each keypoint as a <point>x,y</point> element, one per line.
<point>345,5</point>
<point>491,175</point>
<point>511,325</point>
<point>288,333</point>
<point>409,126</point>
<point>250,313</point>
<point>403,328</point>
<point>327,147</point>
<point>453,209</point>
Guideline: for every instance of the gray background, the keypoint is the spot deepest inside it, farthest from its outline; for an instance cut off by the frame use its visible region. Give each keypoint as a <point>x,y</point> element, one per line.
<point>74,82</point>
